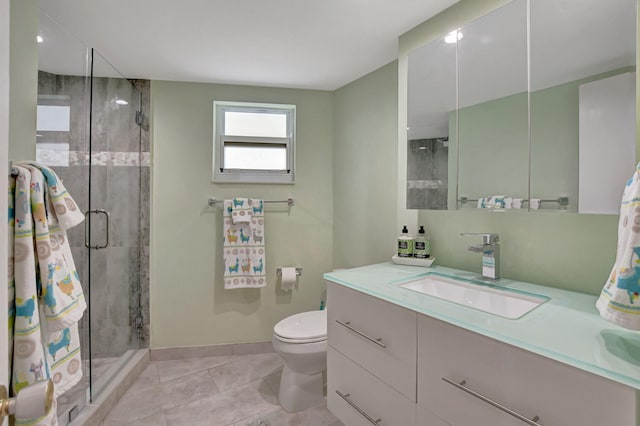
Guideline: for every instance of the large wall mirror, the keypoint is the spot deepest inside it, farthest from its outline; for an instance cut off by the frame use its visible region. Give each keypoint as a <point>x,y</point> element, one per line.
<point>432,114</point>
<point>531,106</point>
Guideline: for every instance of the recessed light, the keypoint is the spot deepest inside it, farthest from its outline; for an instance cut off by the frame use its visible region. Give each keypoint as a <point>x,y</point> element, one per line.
<point>453,36</point>
<point>121,102</point>
<point>39,38</point>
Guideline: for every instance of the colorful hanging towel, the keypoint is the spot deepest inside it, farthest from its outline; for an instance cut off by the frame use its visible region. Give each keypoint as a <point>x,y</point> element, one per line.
<point>11,287</point>
<point>29,363</point>
<point>243,248</point>
<point>59,282</point>
<point>47,295</point>
<point>63,210</point>
<point>62,301</point>
<point>619,301</point>
<point>241,210</point>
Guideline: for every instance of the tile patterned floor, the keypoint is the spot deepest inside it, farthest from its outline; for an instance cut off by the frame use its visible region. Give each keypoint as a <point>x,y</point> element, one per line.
<point>232,390</point>
<point>99,367</point>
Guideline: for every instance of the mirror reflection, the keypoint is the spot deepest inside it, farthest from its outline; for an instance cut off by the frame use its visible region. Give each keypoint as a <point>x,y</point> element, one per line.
<point>542,131</point>
<point>493,108</point>
<point>432,108</point>
<point>582,74</point>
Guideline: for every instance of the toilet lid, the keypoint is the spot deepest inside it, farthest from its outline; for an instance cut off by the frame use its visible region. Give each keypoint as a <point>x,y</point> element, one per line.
<point>304,326</point>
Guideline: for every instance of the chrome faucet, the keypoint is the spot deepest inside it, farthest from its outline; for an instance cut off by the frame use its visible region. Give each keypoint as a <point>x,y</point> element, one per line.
<point>490,249</point>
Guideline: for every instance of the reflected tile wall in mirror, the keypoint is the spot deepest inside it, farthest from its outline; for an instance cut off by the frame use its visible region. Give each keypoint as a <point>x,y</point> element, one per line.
<point>427,173</point>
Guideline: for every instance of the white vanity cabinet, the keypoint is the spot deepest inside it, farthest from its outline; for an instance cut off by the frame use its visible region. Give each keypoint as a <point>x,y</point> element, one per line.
<point>358,397</point>
<point>388,363</point>
<point>371,362</point>
<point>532,386</point>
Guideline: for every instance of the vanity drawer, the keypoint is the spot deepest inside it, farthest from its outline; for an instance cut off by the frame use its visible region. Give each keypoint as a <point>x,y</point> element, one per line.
<point>378,335</point>
<point>369,395</point>
<point>524,382</point>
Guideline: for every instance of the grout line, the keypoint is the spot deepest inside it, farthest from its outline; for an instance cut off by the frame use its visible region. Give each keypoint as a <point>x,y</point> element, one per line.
<point>214,380</point>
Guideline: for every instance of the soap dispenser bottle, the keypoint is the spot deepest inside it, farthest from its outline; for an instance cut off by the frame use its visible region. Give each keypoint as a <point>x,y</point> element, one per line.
<point>405,243</point>
<point>421,245</point>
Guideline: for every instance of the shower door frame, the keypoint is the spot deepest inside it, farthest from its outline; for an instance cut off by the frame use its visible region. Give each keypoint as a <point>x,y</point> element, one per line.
<point>97,207</point>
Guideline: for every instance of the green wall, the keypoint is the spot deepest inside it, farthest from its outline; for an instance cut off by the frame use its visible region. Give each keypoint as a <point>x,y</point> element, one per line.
<point>364,168</point>
<point>496,133</point>
<point>189,306</point>
<point>493,145</point>
<point>23,91</point>
<point>555,129</point>
<point>570,251</point>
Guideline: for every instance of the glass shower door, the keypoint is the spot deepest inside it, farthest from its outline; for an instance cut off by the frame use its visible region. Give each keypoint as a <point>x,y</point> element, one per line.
<point>101,153</point>
<point>114,239</point>
<point>62,143</point>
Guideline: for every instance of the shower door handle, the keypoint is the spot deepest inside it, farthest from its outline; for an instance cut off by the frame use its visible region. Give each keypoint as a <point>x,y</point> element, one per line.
<point>87,243</point>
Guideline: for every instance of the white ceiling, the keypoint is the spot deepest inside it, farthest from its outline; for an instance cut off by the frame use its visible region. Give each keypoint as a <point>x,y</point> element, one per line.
<point>282,43</point>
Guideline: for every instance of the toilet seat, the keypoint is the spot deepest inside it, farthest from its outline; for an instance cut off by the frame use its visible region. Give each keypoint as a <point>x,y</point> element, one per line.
<point>296,341</point>
<point>305,327</point>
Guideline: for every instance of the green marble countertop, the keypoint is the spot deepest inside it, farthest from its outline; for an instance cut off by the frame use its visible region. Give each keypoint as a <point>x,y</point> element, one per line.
<point>567,328</point>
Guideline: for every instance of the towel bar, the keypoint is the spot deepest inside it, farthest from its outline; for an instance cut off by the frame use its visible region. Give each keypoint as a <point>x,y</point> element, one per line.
<point>213,202</point>
<point>563,201</point>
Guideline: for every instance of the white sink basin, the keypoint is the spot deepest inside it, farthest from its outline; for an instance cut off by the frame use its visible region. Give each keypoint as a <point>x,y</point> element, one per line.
<point>510,304</point>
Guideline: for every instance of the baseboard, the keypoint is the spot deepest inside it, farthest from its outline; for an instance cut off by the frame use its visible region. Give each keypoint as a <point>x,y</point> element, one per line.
<point>186,352</point>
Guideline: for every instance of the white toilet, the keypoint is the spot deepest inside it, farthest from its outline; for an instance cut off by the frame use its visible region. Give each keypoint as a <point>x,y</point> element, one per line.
<point>301,340</point>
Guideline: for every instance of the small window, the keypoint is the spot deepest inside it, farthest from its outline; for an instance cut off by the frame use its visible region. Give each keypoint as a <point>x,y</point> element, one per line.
<point>253,143</point>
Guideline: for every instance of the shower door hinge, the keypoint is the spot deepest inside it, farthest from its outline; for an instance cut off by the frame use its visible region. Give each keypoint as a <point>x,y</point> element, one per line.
<point>139,117</point>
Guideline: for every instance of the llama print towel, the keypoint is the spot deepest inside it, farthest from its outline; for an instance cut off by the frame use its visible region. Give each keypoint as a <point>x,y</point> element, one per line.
<point>243,247</point>
<point>619,301</point>
<point>29,362</point>
<point>241,210</point>
<point>58,280</point>
<point>48,299</point>
<point>62,302</point>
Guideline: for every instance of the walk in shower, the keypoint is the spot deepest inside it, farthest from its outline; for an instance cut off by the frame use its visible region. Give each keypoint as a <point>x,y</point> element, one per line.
<point>93,131</point>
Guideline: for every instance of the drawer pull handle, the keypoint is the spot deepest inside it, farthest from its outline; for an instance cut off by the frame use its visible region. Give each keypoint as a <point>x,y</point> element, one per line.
<point>461,386</point>
<point>348,325</point>
<point>358,409</point>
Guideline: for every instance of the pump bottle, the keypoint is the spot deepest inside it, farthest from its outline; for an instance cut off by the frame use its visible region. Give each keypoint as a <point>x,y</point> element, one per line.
<point>405,243</point>
<point>421,245</point>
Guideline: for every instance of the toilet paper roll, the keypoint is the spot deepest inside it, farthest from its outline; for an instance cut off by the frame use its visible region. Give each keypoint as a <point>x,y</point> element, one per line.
<point>288,278</point>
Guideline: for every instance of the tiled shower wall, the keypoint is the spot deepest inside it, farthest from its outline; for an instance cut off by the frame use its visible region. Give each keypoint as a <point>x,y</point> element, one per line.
<point>120,181</point>
<point>427,173</point>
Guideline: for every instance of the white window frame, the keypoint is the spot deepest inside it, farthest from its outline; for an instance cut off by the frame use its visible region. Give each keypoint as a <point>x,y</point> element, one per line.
<point>221,175</point>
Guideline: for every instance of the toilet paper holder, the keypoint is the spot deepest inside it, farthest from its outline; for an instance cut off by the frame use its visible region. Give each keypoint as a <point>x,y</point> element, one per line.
<point>279,272</point>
